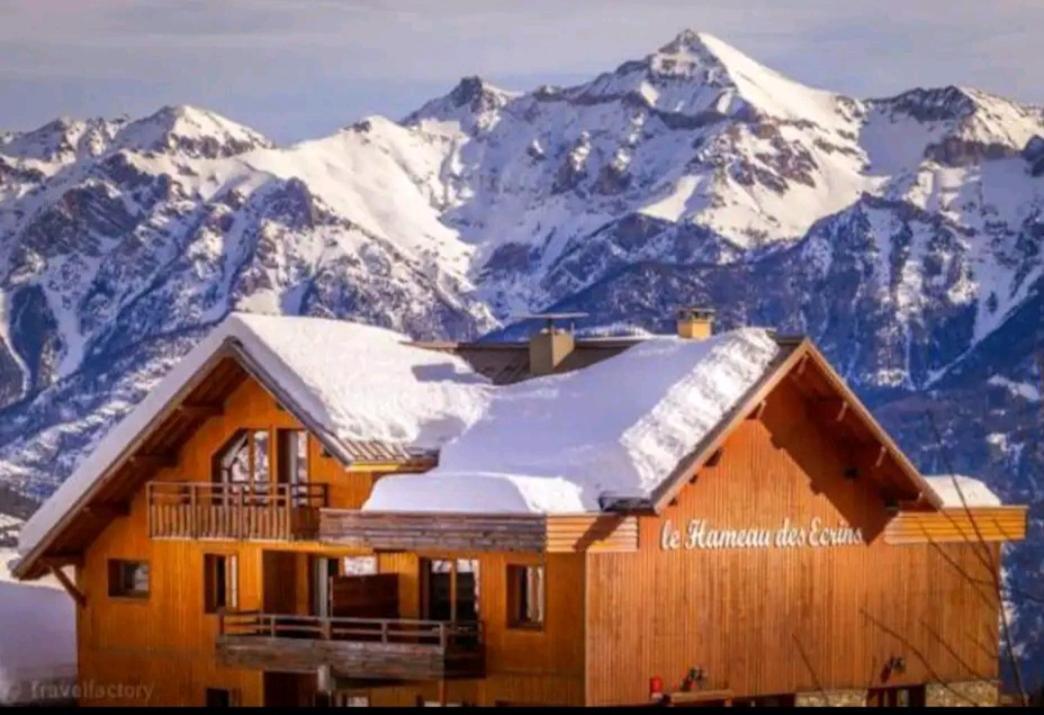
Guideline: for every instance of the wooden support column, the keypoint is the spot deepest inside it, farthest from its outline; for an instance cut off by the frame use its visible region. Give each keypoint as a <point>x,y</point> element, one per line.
<point>68,585</point>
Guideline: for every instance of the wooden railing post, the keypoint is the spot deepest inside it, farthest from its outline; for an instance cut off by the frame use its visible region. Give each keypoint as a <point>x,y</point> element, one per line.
<point>241,516</point>
<point>151,508</point>
<point>193,528</point>
<point>287,505</point>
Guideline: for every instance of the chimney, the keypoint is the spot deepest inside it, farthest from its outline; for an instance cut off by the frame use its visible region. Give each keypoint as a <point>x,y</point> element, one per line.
<point>551,345</point>
<point>695,323</point>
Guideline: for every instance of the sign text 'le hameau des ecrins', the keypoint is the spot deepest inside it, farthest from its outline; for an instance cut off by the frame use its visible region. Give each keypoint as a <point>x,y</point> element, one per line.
<point>701,535</point>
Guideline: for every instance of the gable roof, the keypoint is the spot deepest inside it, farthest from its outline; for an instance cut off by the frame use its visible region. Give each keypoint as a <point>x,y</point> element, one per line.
<point>816,378</point>
<point>665,405</point>
<point>362,391</point>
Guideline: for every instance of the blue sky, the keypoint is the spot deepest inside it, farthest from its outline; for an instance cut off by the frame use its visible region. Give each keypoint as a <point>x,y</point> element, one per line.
<point>301,68</point>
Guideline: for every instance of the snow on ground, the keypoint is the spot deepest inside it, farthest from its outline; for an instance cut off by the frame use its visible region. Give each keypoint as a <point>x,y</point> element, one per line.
<point>975,492</point>
<point>1024,390</point>
<point>37,634</point>
<point>354,382</point>
<point>556,444</point>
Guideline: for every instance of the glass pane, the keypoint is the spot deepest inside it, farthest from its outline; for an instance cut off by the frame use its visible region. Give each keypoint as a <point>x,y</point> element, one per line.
<point>220,582</point>
<point>534,601</point>
<point>440,566</point>
<point>261,467</point>
<point>137,577</point>
<point>301,457</point>
<point>236,463</point>
<point>232,588</point>
<point>360,565</point>
<point>467,590</point>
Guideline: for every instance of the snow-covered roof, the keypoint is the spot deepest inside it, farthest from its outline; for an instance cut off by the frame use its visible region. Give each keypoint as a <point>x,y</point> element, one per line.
<point>618,428</point>
<point>975,492</point>
<point>559,444</point>
<point>351,382</point>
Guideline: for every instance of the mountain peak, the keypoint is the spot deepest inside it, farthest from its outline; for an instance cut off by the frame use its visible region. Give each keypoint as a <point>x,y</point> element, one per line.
<point>196,132</point>
<point>701,77</point>
<point>473,102</point>
<point>694,42</point>
<point>64,138</point>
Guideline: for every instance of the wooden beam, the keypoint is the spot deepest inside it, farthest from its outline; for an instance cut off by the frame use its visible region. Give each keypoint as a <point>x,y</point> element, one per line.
<point>201,410</point>
<point>800,369</point>
<point>875,456</point>
<point>758,411</point>
<point>64,559</point>
<point>831,409</point>
<point>69,586</point>
<point>107,512</point>
<point>154,461</point>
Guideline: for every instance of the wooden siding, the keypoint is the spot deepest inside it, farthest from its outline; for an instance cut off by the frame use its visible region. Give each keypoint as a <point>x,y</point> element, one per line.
<point>783,620</point>
<point>416,531</point>
<point>168,644</point>
<point>594,533</point>
<point>526,666</point>
<point>479,532</point>
<point>1006,523</point>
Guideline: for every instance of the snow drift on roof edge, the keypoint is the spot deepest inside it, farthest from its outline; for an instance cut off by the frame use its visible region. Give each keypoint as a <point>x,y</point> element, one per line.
<point>353,381</point>
<point>975,492</point>
<point>620,427</point>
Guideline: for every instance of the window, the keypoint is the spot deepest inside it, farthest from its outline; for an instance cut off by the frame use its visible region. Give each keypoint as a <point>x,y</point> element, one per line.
<point>452,592</point>
<point>220,582</point>
<point>128,579</point>
<point>911,697</point>
<point>359,565</point>
<point>525,596</point>
<point>293,456</point>
<point>243,459</point>
<point>221,698</point>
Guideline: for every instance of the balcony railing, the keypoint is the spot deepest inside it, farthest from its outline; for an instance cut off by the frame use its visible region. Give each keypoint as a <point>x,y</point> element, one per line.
<point>383,648</point>
<point>214,510</point>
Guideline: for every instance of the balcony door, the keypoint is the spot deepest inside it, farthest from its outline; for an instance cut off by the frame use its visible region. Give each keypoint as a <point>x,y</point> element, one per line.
<point>451,589</point>
<point>243,466</point>
<point>292,463</point>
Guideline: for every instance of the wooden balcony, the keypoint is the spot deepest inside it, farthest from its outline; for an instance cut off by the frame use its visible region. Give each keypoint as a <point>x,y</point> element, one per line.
<point>365,648</point>
<point>212,510</point>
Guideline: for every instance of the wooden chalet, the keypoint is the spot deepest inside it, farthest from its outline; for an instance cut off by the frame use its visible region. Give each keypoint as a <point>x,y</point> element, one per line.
<point>222,546</point>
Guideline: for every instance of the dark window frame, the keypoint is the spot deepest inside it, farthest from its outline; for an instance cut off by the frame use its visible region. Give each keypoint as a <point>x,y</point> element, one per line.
<point>121,579</point>
<point>244,438</point>
<point>518,597</point>
<point>220,582</point>
<point>456,595</point>
<point>220,697</point>
<point>889,697</point>
<point>292,467</point>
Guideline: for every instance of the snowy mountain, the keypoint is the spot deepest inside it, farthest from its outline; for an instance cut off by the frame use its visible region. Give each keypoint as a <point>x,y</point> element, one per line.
<point>903,234</point>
